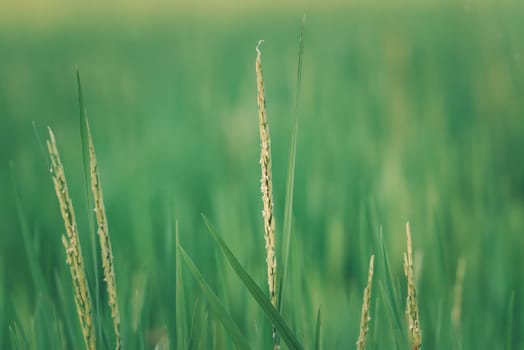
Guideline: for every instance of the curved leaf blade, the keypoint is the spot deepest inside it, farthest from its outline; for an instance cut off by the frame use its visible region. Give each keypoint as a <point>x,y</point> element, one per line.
<point>280,324</point>
<point>216,306</point>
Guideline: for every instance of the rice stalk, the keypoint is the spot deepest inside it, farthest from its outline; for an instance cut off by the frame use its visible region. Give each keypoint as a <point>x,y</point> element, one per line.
<point>266,186</point>
<point>365,314</point>
<point>71,243</point>
<point>105,242</point>
<point>412,306</point>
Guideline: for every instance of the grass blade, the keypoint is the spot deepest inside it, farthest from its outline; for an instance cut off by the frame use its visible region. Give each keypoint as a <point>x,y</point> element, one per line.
<point>281,325</point>
<point>317,330</point>
<point>84,143</point>
<point>391,295</point>
<point>290,184</point>
<point>215,304</point>
<point>41,145</point>
<point>83,130</point>
<point>192,331</point>
<point>397,334</point>
<point>180,304</point>
<point>198,327</point>
<point>509,323</point>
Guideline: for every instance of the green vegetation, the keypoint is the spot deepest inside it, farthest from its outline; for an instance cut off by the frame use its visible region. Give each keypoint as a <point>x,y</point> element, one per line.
<point>405,115</point>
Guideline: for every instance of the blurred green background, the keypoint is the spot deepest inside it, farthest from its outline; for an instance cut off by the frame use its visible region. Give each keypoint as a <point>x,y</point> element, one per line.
<point>409,111</point>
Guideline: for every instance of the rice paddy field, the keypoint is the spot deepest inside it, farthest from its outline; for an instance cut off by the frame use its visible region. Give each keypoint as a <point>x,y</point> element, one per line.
<point>405,113</point>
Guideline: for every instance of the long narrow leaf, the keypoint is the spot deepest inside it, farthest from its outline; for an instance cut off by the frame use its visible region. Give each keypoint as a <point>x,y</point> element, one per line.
<point>281,325</point>
<point>509,324</point>
<point>391,294</point>
<point>198,328</point>
<point>317,330</point>
<point>290,184</point>
<point>180,303</point>
<point>192,331</point>
<point>392,315</point>
<point>84,141</point>
<point>215,304</point>
<point>43,151</point>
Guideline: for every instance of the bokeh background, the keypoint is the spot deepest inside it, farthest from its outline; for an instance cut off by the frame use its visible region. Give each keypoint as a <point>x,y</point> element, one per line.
<point>409,111</point>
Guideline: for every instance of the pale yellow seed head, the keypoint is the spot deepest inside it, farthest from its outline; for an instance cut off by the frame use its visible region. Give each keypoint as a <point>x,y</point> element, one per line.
<point>105,242</point>
<point>366,303</point>
<point>266,187</point>
<point>412,306</point>
<point>72,247</point>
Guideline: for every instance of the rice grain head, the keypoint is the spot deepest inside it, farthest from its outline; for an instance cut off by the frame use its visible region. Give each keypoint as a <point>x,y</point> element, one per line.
<point>365,314</point>
<point>266,186</point>
<point>412,306</point>
<point>71,243</point>
<point>105,242</point>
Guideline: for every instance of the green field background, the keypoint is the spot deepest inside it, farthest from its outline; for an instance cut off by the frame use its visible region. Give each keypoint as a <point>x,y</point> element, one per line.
<point>407,113</point>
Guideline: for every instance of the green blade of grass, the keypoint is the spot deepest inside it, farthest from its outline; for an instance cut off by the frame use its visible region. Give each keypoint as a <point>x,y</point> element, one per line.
<point>290,184</point>
<point>317,331</point>
<point>280,324</point>
<point>84,141</point>
<point>43,151</point>
<point>217,336</point>
<point>397,332</point>
<point>180,304</point>
<point>83,130</point>
<point>197,327</point>
<point>509,324</point>
<point>392,315</point>
<point>192,331</point>
<point>215,304</point>
<point>390,290</point>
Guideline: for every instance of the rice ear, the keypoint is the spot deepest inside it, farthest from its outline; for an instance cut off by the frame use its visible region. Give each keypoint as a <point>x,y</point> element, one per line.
<point>105,242</point>
<point>266,186</point>
<point>365,314</point>
<point>72,247</point>
<point>412,305</point>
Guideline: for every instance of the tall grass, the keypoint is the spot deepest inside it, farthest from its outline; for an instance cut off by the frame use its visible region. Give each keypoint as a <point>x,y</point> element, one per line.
<point>397,122</point>
<point>72,243</point>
